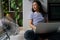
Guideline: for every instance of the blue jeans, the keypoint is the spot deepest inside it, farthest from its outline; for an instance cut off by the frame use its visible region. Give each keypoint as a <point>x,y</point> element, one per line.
<point>30,35</point>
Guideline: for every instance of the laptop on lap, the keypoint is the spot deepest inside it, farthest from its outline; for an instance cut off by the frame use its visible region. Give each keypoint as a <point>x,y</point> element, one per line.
<point>46,27</point>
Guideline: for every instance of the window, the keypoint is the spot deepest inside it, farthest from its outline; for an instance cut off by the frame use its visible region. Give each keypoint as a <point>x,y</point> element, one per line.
<point>13,7</point>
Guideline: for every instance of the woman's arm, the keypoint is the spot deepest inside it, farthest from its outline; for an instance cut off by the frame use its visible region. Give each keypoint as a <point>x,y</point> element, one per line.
<point>31,24</point>
<point>46,18</point>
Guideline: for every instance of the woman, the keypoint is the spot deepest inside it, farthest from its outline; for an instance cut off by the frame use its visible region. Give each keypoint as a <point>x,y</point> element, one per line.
<point>38,16</point>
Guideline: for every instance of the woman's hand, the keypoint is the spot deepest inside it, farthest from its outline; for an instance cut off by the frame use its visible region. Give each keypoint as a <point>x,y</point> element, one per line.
<point>31,24</point>
<point>34,28</point>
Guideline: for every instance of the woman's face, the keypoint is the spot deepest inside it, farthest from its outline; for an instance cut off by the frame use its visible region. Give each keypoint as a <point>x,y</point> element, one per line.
<point>35,6</point>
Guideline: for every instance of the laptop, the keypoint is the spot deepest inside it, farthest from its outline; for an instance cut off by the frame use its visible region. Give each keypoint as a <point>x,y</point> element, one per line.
<point>46,27</point>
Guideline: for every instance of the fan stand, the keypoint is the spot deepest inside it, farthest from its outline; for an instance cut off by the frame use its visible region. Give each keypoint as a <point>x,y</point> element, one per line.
<point>8,37</point>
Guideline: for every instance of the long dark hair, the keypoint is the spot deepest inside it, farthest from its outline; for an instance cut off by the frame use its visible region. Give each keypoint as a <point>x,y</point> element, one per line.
<point>40,8</point>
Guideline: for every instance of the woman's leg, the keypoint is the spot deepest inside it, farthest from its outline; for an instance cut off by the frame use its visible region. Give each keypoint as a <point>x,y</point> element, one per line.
<point>30,35</point>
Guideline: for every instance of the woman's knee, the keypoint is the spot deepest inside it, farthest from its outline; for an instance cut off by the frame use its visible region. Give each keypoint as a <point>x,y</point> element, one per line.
<point>29,34</point>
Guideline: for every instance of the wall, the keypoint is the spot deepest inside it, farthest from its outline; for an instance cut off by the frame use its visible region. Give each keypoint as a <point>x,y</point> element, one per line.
<point>26,12</point>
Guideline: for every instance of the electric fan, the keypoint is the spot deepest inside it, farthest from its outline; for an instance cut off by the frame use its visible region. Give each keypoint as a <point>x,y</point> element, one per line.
<point>7,28</point>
